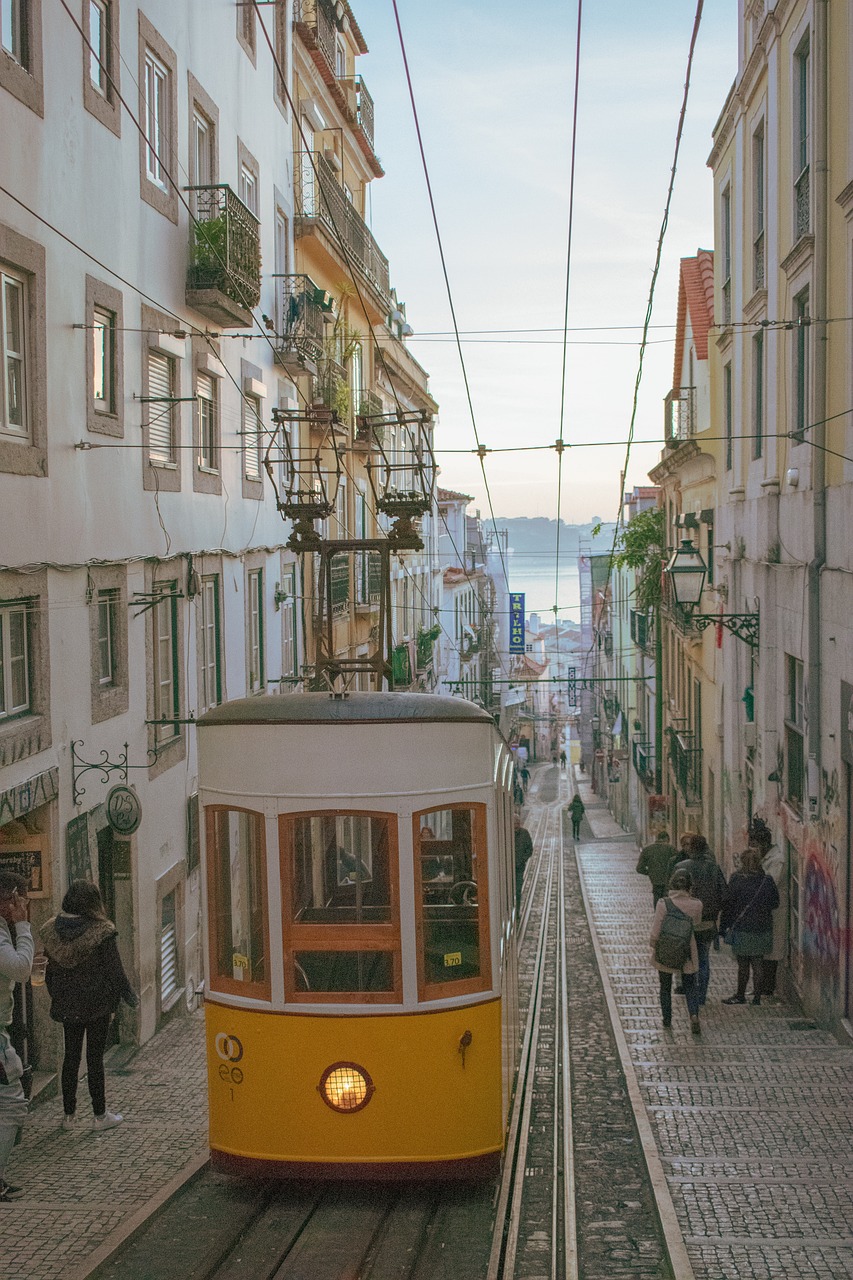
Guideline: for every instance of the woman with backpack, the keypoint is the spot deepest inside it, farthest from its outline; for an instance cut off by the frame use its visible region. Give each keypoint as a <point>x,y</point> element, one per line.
<point>674,946</point>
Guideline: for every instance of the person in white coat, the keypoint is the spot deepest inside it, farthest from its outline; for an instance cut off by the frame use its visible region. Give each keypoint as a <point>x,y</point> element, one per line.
<point>16,963</point>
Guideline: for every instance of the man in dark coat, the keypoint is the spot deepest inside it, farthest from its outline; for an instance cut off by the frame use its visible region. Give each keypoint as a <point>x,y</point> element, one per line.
<point>16,962</point>
<point>657,861</point>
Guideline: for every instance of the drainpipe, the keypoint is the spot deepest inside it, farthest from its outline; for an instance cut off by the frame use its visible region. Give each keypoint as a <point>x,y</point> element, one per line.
<point>821,86</point>
<point>658,703</point>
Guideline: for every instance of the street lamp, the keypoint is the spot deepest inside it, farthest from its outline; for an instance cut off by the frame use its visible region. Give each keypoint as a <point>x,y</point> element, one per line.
<point>687,571</point>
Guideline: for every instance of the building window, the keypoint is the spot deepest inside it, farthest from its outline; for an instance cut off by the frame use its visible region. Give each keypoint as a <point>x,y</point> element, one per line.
<point>288,624</point>
<point>100,40</point>
<point>15,696</point>
<point>246,28</point>
<point>107,637</point>
<point>168,950</point>
<point>252,428</point>
<point>340,59</point>
<point>256,631</point>
<point>249,189</point>
<point>237,903</point>
<point>166,683</point>
<point>14,421</point>
<point>281,53</point>
<point>161,408</point>
<point>801,365</point>
<point>758,394</point>
<point>758,194</point>
<point>156,119</point>
<point>13,30</point>
<point>802,145</point>
<point>211,671</point>
<point>728,410</point>
<point>726,242</point>
<point>208,421</point>
<point>103,360</point>
<point>201,154</point>
<point>794,732</point>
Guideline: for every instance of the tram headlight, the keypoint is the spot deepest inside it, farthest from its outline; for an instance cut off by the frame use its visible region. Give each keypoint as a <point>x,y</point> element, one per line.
<point>346,1087</point>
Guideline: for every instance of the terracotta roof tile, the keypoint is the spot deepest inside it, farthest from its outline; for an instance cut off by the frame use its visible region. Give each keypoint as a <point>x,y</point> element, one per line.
<point>696,296</point>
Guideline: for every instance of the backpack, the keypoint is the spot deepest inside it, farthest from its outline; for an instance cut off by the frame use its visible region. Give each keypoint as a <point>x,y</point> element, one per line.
<point>672,949</point>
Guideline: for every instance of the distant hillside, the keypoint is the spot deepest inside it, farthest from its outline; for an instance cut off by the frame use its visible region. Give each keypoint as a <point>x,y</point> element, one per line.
<point>538,535</point>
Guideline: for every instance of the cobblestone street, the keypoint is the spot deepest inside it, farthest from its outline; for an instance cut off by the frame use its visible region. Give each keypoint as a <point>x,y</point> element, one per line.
<point>753,1121</point>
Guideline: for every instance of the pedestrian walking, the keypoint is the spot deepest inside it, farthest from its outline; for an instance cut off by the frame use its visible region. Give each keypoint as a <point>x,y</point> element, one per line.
<point>16,963</point>
<point>657,861</point>
<point>86,981</point>
<point>563,759</point>
<point>577,809</point>
<point>773,864</point>
<point>678,901</point>
<point>525,776</point>
<point>747,920</point>
<point>709,885</point>
<point>523,853</point>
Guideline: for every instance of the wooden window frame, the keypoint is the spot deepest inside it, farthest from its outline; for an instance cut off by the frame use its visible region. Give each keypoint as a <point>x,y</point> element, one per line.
<point>218,982</point>
<point>350,937</point>
<point>428,992</point>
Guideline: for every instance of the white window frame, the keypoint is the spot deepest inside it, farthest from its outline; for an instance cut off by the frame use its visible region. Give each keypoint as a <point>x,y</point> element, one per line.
<point>9,659</point>
<point>208,422</point>
<point>165,663</point>
<point>289,655</point>
<point>201,156</point>
<point>211,647</point>
<point>255,675</point>
<point>14,356</point>
<point>103,359</point>
<point>162,411</point>
<point>13,29</point>
<point>249,188</point>
<point>107,647</point>
<point>253,423</point>
<point>100,39</point>
<point>156,119</point>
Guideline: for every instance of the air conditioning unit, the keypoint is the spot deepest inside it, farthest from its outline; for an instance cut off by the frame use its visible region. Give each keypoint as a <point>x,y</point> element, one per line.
<point>749,736</point>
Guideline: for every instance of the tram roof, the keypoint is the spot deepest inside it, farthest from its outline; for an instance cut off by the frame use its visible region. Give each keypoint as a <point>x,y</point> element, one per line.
<point>353,708</point>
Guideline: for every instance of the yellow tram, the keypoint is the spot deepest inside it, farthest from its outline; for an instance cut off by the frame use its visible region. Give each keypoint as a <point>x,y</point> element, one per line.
<point>361,985</point>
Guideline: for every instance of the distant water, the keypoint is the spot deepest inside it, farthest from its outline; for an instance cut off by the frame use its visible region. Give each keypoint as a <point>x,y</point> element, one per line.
<point>536,577</point>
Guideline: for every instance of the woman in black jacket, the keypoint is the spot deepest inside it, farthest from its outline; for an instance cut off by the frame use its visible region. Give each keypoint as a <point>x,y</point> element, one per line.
<point>86,981</point>
<point>748,905</point>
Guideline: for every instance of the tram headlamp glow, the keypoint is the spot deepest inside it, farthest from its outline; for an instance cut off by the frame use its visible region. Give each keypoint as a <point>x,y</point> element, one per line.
<point>346,1087</point>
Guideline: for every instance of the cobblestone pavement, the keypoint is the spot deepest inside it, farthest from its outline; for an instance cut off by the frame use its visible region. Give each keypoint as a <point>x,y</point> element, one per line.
<point>753,1121</point>
<point>78,1187</point>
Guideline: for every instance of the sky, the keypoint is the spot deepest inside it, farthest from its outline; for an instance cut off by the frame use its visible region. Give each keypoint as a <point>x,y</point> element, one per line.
<point>494,85</point>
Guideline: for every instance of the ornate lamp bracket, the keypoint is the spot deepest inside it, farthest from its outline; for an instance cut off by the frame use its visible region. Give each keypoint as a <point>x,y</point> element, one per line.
<point>743,625</point>
<point>105,766</point>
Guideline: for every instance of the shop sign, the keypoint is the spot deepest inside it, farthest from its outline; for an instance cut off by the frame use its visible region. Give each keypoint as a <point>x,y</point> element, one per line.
<point>124,812</point>
<point>29,795</point>
<point>516,622</point>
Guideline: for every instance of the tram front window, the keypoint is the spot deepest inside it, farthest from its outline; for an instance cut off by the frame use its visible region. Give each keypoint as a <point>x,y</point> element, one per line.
<point>340,896</point>
<point>238,890</point>
<point>451,861</point>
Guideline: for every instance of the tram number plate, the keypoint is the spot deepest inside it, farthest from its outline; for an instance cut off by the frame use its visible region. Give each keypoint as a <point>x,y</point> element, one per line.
<point>452,959</point>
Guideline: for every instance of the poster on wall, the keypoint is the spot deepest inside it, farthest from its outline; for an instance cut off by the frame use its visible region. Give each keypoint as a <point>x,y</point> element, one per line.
<point>77,848</point>
<point>28,858</point>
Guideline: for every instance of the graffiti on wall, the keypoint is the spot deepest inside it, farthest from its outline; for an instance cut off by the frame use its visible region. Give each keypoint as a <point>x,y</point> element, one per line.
<point>820,927</point>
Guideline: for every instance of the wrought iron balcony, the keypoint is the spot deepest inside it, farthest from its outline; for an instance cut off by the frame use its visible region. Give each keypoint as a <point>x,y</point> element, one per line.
<point>685,761</point>
<point>425,642</point>
<point>320,198</point>
<point>644,762</point>
<point>802,209</point>
<point>314,20</point>
<point>224,276</point>
<point>679,414</point>
<point>643,630</point>
<point>339,573</point>
<point>401,665</point>
<point>301,307</point>
<point>359,105</point>
<point>367,431</point>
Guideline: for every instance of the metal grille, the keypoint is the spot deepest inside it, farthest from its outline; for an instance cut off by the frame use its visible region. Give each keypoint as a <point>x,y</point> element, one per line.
<point>225,246</point>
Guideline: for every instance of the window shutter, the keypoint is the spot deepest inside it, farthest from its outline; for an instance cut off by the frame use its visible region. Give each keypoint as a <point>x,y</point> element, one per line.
<point>160,412</point>
<point>168,952</point>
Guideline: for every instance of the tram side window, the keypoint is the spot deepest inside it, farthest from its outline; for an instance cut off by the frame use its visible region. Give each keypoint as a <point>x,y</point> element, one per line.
<point>452,879</point>
<point>237,877</point>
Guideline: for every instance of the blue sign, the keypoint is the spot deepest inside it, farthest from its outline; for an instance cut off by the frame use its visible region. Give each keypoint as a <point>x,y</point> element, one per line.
<point>516,622</point>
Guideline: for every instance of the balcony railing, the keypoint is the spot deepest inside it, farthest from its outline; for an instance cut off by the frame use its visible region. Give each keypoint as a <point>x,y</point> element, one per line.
<point>367,432</point>
<point>224,276</point>
<point>644,762</point>
<point>360,105</point>
<point>679,414</point>
<point>321,198</point>
<point>686,763</point>
<point>801,201</point>
<point>301,307</point>
<point>424,645</point>
<point>401,665</point>
<point>316,20</point>
<point>642,630</point>
<point>340,584</point>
